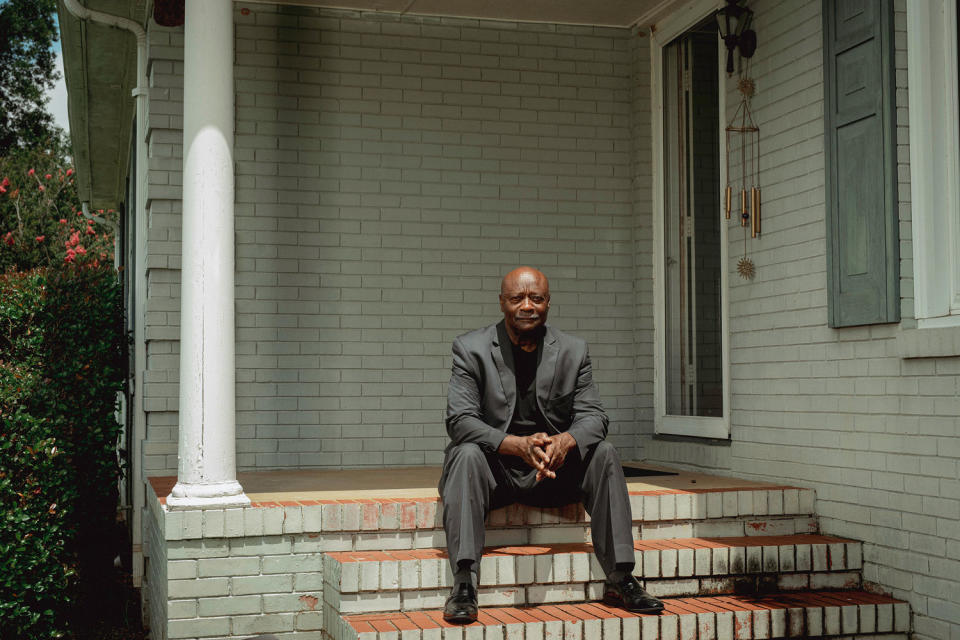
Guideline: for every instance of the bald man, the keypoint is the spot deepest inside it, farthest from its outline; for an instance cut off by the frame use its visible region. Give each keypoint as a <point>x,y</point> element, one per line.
<point>526,425</point>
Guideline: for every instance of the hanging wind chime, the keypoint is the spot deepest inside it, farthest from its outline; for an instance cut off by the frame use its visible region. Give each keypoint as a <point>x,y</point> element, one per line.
<point>743,137</point>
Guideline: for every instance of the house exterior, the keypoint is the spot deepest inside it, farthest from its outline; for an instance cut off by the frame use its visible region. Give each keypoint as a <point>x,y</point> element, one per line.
<point>371,171</point>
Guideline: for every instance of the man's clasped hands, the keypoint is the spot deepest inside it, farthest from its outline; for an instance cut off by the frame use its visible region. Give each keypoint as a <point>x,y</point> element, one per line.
<point>544,453</point>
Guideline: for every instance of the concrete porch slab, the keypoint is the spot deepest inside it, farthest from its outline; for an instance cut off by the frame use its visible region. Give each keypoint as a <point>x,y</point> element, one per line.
<point>421,482</point>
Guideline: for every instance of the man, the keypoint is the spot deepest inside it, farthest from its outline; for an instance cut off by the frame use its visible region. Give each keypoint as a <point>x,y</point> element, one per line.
<point>526,425</point>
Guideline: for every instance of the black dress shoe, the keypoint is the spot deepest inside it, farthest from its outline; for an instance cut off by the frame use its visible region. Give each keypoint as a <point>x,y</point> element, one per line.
<point>461,606</point>
<point>628,594</point>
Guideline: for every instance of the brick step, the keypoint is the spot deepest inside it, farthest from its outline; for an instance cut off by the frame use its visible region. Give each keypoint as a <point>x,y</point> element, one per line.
<point>573,531</point>
<point>769,509</point>
<point>368,581</point>
<point>780,615</point>
<point>646,506</point>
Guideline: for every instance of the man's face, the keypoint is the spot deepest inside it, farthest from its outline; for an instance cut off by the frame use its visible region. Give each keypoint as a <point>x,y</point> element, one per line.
<point>524,300</point>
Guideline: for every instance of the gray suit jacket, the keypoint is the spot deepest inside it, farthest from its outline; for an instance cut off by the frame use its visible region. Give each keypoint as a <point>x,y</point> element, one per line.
<point>483,392</point>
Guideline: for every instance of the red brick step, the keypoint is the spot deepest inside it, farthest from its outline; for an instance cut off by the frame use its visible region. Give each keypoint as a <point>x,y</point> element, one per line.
<point>781,615</point>
<point>371,581</point>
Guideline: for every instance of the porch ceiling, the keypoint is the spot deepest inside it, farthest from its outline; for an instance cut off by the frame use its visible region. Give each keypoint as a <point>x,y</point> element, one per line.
<point>606,13</point>
<point>99,64</point>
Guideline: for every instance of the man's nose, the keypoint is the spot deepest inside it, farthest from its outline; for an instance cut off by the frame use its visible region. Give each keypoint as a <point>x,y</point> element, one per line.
<point>527,304</point>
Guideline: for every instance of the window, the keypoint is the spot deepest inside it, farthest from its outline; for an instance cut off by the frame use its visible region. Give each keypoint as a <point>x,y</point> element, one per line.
<point>932,68</point>
<point>690,256</point>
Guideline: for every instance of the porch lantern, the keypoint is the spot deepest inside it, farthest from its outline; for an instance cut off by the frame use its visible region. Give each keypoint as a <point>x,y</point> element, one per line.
<point>734,23</point>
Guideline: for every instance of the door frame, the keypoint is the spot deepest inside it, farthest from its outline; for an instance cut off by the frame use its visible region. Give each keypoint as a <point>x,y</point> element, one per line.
<point>680,21</point>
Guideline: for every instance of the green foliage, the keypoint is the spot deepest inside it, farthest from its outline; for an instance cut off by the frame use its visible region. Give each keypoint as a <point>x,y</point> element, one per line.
<point>62,361</point>
<point>40,224</point>
<point>27,33</point>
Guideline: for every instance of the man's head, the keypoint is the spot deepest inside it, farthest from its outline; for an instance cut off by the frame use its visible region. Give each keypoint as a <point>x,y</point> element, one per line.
<point>524,300</point>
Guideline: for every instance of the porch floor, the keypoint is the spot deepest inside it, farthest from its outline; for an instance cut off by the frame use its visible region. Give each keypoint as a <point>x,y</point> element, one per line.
<point>297,485</point>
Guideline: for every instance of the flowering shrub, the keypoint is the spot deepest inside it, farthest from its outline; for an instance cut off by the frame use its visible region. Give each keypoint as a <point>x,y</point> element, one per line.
<point>62,364</point>
<point>41,223</point>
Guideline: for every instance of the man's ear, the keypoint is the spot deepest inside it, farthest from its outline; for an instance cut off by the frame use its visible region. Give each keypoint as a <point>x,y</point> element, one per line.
<point>500,299</point>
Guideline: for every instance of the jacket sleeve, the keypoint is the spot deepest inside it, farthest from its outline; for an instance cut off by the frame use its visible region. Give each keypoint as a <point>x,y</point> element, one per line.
<point>464,423</point>
<point>589,423</point>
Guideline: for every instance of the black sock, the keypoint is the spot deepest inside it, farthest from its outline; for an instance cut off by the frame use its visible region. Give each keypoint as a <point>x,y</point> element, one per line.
<point>466,573</point>
<point>621,571</point>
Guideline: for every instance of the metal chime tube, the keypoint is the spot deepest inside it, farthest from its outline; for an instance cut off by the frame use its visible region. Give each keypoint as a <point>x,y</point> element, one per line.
<point>729,199</point>
<point>743,207</point>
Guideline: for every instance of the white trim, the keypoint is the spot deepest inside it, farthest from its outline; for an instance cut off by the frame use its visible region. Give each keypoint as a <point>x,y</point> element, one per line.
<point>936,323</point>
<point>675,25</point>
<point>934,160</point>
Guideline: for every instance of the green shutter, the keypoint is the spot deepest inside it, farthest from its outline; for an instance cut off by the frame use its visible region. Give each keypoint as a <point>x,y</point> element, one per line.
<point>861,178</point>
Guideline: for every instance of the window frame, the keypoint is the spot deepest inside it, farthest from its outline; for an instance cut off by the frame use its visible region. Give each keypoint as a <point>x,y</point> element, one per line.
<point>932,70</point>
<point>694,426</point>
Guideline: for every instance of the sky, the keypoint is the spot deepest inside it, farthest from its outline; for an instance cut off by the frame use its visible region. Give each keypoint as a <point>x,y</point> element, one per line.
<point>58,95</point>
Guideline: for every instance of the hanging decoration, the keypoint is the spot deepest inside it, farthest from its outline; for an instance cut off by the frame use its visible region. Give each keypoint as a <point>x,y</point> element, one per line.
<point>743,139</point>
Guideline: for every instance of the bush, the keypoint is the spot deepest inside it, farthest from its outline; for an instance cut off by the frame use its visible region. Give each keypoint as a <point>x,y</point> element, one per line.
<point>40,222</point>
<point>62,363</point>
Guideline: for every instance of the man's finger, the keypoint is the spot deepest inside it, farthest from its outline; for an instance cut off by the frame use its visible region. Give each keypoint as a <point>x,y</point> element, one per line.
<point>546,473</point>
<point>536,458</point>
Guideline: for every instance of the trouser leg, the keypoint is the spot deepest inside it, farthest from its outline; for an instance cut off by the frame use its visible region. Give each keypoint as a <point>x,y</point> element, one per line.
<point>466,487</point>
<point>606,499</point>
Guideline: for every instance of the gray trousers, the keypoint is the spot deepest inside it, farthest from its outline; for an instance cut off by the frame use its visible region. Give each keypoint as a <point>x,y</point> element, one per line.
<point>473,483</point>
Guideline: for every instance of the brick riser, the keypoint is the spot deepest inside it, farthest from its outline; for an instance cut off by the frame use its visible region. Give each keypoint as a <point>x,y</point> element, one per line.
<point>805,615</point>
<point>768,510</point>
<point>358,582</point>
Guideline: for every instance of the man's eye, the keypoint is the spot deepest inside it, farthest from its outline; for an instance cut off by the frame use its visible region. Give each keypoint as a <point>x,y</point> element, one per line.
<point>537,299</point>
<point>516,299</point>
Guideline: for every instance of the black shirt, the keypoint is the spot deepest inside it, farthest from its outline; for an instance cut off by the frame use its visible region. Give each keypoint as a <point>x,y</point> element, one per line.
<point>527,418</point>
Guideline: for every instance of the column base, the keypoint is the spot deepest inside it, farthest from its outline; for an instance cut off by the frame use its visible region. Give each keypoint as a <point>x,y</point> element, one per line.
<point>220,495</point>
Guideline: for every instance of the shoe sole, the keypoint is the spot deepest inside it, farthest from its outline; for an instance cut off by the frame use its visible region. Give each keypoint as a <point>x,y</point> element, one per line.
<point>616,602</point>
<point>465,619</point>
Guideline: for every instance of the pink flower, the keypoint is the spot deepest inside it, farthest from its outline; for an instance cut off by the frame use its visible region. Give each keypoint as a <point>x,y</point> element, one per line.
<point>71,254</point>
<point>74,239</point>
<point>63,221</point>
<point>5,183</point>
<point>41,238</point>
<point>42,188</point>
<point>81,250</point>
<point>3,189</point>
<point>8,238</point>
<point>91,232</point>
<point>48,176</point>
<point>69,172</point>
<point>31,172</point>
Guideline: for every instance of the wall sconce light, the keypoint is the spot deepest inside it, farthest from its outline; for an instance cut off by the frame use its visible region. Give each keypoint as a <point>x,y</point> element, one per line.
<point>734,23</point>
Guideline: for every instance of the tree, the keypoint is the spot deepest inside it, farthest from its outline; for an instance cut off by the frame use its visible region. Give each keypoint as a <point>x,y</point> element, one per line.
<point>27,34</point>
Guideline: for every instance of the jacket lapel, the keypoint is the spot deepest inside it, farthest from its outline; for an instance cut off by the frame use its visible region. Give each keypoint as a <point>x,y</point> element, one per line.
<point>508,381</point>
<point>547,370</point>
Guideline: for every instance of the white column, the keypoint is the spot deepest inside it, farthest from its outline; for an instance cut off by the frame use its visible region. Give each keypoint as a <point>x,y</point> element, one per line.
<point>207,469</point>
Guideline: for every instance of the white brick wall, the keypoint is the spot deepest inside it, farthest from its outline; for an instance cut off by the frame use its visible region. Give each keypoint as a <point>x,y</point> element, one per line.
<point>389,172</point>
<point>837,410</point>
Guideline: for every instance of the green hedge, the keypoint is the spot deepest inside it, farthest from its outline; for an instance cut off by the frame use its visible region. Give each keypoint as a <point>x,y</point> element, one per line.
<point>62,362</point>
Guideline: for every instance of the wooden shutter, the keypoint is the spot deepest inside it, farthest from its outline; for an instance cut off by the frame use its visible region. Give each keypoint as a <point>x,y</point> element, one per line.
<point>861,196</point>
